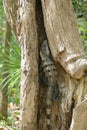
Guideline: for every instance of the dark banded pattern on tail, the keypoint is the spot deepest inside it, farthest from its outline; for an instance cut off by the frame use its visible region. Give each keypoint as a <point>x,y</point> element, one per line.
<point>50,73</point>
<point>48,107</point>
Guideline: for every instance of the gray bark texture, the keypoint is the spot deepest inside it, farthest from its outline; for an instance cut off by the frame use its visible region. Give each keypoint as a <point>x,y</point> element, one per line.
<point>60,28</point>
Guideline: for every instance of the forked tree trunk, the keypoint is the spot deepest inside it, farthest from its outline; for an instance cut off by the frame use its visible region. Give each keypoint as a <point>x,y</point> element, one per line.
<point>62,34</point>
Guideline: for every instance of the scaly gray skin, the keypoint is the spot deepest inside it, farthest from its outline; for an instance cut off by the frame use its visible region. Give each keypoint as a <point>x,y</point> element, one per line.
<point>50,73</point>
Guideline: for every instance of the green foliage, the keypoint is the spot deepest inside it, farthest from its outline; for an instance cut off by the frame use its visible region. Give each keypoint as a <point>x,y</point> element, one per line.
<point>10,69</point>
<point>1,116</point>
<point>80,7</point>
<point>13,95</point>
<point>9,122</point>
<point>82,25</point>
<point>10,63</point>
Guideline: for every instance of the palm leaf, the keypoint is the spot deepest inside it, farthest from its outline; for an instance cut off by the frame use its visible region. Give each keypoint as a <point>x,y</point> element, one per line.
<point>10,64</point>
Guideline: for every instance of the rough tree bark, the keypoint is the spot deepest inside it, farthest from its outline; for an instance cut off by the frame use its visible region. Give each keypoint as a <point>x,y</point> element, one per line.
<point>62,34</point>
<point>67,49</point>
<point>4,92</point>
<point>29,65</point>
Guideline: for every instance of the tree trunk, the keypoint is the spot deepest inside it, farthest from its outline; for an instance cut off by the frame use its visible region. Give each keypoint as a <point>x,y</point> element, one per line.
<point>24,27</point>
<point>62,34</point>
<point>11,8</point>
<point>29,65</point>
<point>79,118</point>
<point>4,92</point>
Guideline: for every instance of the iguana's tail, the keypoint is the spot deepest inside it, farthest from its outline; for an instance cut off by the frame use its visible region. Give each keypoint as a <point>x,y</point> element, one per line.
<point>48,107</point>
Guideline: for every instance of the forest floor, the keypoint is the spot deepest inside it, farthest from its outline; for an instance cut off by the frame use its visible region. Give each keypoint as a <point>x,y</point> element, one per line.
<point>12,121</point>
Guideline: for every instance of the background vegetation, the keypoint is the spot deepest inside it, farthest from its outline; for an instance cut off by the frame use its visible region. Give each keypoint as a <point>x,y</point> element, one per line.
<point>80,7</point>
<point>12,69</point>
<point>14,56</point>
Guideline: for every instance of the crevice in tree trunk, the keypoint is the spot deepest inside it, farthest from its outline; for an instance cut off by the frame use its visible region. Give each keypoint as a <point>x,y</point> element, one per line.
<point>60,120</point>
<point>40,23</point>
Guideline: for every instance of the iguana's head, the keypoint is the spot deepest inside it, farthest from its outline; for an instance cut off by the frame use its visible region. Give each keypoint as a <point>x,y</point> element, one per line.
<point>44,50</point>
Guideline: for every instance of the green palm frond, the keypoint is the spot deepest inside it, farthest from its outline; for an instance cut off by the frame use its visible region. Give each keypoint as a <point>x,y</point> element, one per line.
<point>10,65</point>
